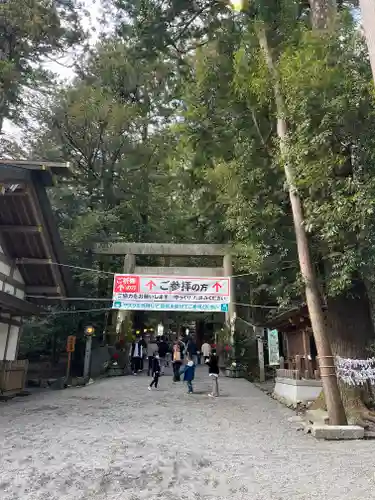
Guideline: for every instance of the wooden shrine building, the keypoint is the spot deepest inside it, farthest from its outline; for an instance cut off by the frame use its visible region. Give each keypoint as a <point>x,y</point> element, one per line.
<point>31,252</point>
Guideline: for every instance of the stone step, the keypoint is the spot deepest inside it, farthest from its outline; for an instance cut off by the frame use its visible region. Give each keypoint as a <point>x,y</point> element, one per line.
<point>337,432</point>
<point>369,434</point>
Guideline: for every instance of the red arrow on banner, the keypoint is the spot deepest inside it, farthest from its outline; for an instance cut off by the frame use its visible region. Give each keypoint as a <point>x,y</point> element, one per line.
<point>217,286</point>
<point>150,284</point>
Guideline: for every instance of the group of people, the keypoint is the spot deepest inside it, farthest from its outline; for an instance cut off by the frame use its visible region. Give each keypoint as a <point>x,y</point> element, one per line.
<point>184,357</point>
<point>140,350</point>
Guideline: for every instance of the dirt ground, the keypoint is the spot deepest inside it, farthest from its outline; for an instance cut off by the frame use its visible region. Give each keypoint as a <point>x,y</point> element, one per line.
<point>116,440</point>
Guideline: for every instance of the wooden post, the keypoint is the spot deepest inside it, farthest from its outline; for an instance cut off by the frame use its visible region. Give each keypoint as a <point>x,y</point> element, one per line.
<point>3,374</point>
<point>306,349</point>
<point>368,13</point>
<point>228,272</point>
<point>68,366</point>
<point>262,374</point>
<point>128,268</point>
<point>87,362</point>
<point>70,347</point>
<point>298,366</point>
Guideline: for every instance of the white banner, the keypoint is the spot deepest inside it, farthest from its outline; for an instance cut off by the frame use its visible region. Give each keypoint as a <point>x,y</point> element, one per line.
<point>170,293</point>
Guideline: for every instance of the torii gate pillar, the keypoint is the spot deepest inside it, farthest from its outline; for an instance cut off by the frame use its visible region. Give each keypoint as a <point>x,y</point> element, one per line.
<point>228,271</point>
<point>129,267</point>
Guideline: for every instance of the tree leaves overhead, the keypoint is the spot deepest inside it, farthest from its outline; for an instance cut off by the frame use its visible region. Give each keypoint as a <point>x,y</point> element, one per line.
<point>170,126</point>
<point>30,31</point>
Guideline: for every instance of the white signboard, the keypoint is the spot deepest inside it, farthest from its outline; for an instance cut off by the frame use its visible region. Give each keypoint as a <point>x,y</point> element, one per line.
<point>273,348</point>
<point>170,293</point>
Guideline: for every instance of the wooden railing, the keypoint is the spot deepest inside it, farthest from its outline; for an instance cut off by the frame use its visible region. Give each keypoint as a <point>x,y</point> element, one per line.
<point>298,368</point>
<point>294,374</point>
<point>13,375</point>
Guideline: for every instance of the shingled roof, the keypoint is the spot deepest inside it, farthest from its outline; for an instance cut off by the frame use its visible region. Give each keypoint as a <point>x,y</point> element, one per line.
<point>28,231</point>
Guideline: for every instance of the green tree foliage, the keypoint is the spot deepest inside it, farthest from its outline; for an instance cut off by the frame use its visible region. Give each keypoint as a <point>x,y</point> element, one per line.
<point>327,86</point>
<point>170,126</point>
<point>30,32</point>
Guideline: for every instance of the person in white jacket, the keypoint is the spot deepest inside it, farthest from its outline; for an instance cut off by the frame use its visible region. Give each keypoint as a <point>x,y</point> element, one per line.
<point>206,351</point>
<point>136,355</point>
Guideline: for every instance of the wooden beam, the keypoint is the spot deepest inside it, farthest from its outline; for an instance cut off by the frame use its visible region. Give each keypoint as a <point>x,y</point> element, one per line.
<point>14,194</point>
<point>45,239</point>
<point>42,290</point>
<point>5,260</point>
<point>35,165</point>
<point>16,306</point>
<point>10,321</point>
<point>203,272</point>
<point>20,229</point>
<point>12,281</point>
<point>34,262</point>
<point>123,248</point>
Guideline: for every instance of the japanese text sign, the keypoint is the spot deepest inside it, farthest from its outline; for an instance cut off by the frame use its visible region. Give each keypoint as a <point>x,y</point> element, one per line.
<point>70,343</point>
<point>170,293</point>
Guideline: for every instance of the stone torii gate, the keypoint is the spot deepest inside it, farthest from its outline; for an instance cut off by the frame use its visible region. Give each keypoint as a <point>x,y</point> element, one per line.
<point>131,250</point>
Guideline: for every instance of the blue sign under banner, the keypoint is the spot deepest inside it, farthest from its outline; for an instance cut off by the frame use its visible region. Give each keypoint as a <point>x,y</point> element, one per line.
<point>169,306</point>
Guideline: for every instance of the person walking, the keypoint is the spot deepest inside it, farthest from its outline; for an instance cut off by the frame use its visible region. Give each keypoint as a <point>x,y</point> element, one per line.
<point>136,355</point>
<point>144,352</point>
<point>206,351</point>
<point>168,356</point>
<point>152,349</point>
<point>177,361</point>
<point>188,371</point>
<point>213,372</point>
<point>155,372</point>
<point>162,350</point>
<point>192,350</point>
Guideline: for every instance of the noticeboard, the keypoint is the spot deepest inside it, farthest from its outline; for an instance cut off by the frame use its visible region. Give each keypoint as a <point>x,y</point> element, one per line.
<point>273,348</point>
<point>71,343</point>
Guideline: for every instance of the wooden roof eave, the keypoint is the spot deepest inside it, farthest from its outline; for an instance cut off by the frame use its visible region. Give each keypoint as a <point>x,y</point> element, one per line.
<point>33,182</point>
<point>283,319</point>
<point>17,307</point>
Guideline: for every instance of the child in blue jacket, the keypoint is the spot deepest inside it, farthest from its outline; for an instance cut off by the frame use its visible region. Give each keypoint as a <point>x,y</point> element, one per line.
<point>188,371</point>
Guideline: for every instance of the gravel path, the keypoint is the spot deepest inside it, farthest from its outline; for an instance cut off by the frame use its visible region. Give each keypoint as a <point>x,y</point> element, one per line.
<point>116,440</point>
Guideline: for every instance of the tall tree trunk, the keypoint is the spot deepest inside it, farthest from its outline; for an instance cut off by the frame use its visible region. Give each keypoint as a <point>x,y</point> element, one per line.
<point>350,323</point>
<point>330,386</point>
<point>368,22</point>
<point>351,331</point>
<point>323,13</point>
<point>349,320</point>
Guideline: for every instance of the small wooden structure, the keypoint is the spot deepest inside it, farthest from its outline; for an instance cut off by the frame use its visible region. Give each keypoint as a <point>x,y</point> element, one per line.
<point>297,378</point>
<point>31,257</point>
<point>299,360</point>
<point>13,375</point>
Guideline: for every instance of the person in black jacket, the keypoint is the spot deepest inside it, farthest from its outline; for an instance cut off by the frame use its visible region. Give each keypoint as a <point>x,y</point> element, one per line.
<point>155,372</point>
<point>213,372</point>
<point>163,349</point>
<point>144,348</point>
<point>192,350</point>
